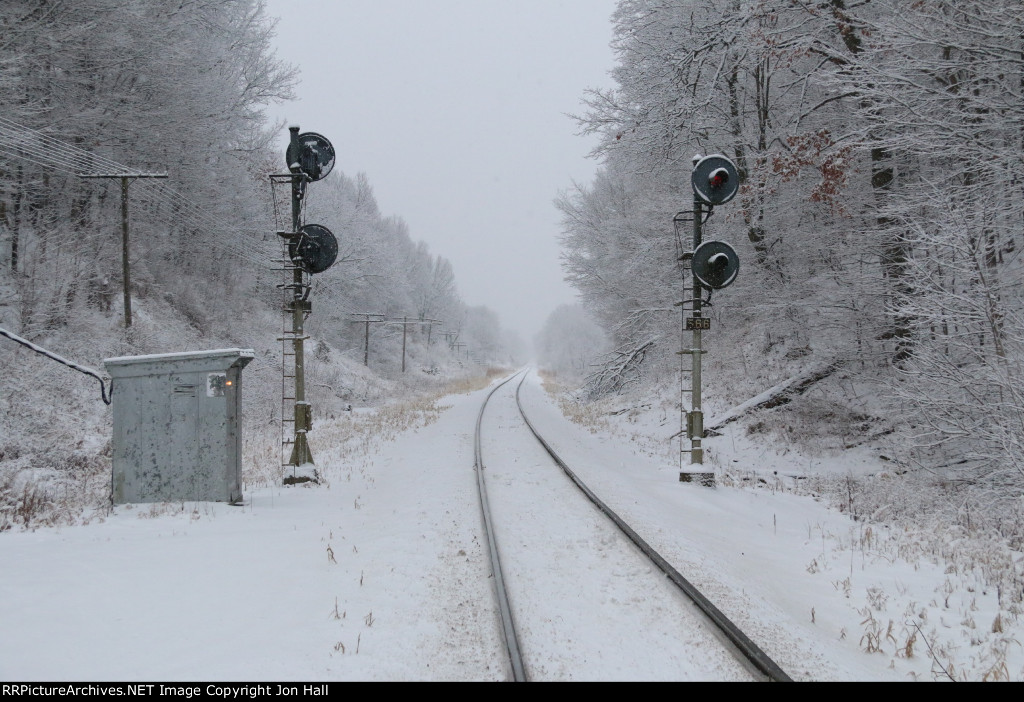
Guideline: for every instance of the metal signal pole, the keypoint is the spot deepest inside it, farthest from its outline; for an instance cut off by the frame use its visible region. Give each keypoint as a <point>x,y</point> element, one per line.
<point>301,454</point>
<point>714,265</point>
<point>311,249</point>
<point>696,417</point>
<point>126,179</point>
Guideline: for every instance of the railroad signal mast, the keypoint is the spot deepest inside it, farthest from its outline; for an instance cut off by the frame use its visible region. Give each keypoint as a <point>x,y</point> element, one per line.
<point>714,265</point>
<point>309,249</point>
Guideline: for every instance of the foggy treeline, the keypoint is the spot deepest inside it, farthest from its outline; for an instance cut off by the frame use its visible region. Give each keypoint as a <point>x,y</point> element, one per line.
<point>879,221</point>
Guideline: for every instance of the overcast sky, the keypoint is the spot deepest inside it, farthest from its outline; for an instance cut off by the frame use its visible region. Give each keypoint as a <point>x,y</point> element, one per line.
<point>456,111</point>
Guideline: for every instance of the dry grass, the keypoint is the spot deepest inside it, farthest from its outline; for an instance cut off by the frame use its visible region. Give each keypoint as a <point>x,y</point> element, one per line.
<point>342,444</point>
<point>73,488</point>
<point>466,385</point>
<point>551,383</point>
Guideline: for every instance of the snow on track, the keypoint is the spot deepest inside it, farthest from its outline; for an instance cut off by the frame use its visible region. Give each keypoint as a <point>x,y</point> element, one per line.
<point>588,605</point>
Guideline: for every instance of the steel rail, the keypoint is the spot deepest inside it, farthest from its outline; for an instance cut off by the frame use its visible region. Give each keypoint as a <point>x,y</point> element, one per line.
<point>750,651</point>
<point>508,627</point>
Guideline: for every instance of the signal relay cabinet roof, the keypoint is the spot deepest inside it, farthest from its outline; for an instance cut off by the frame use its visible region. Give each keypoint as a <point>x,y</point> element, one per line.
<point>177,426</point>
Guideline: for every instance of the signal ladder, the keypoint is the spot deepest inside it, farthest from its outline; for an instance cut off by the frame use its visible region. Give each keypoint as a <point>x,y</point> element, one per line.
<point>684,256</point>
<point>287,339</point>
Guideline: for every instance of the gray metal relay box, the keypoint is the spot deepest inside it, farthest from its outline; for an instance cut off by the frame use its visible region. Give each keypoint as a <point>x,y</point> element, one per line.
<point>177,426</point>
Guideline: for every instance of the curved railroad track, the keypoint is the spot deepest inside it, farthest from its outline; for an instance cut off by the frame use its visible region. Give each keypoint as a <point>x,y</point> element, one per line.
<point>534,628</point>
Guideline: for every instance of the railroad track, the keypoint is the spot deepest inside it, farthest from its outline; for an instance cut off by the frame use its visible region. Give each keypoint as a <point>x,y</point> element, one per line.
<point>568,571</point>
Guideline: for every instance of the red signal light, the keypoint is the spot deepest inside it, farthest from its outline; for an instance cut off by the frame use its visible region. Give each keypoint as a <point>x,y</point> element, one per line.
<point>718,178</point>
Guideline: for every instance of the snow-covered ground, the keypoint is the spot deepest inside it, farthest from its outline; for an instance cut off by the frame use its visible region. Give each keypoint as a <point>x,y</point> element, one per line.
<point>380,573</point>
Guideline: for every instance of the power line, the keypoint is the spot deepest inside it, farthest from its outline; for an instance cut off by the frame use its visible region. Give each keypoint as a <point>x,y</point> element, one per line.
<point>44,150</point>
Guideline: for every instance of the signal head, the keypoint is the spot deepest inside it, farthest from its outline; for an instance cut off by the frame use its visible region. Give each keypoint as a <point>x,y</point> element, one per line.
<point>310,153</point>
<point>715,179</point>
<point>314,249</point>
<point>715,264</point>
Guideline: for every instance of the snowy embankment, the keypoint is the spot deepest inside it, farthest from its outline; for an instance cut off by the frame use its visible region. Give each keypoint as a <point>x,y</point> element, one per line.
<point>797,529</point>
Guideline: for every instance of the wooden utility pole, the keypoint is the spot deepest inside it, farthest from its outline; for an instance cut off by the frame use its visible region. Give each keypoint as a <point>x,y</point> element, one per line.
<point>430,326</point>
<point>126,179</point>
<point>405,322</point>
<point>405,332</point>
<point>369,318</point>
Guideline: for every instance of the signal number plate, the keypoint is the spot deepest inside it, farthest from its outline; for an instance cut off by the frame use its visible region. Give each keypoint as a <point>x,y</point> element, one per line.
<point>698,323</point>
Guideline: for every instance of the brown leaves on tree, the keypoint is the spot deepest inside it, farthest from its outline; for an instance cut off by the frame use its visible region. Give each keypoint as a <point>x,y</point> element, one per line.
<point>817,151</point>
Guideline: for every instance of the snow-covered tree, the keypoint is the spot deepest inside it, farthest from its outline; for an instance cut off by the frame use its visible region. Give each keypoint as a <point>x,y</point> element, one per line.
<point>879,212</point>
<point>147,86</point>
<point>941,86</point>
